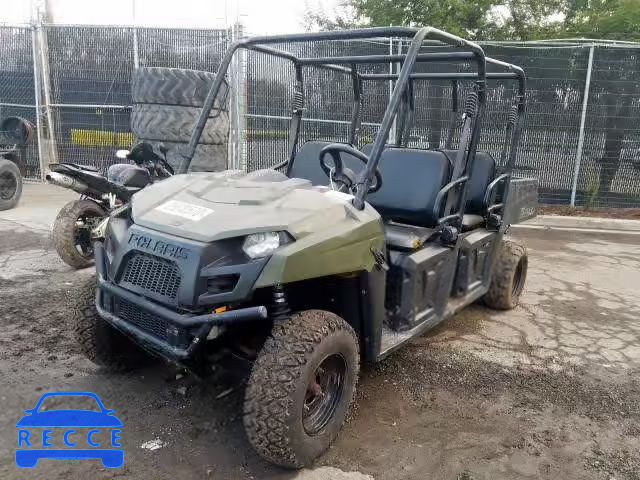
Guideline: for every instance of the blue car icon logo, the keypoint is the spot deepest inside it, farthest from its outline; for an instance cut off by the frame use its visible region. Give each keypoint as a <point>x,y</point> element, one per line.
<point>69,433</point>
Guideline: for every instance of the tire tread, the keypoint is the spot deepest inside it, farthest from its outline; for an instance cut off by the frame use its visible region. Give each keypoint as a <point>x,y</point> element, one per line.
<point>499,296</point>
<point>11,167</point>
<point>175,124</point>
<point>172,86</point>
<point>268,397</point>
<point>63,228</point>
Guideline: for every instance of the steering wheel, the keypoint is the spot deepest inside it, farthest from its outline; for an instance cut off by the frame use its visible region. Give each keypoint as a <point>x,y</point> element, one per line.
<point>345,176</point>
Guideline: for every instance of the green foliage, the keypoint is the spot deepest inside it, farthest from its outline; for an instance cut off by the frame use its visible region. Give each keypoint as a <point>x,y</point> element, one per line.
<point>462,17</point>
<point>492,19</point>
<point>592,193</point>
<point>476,19</point>
<point>343,17</point>
<point>611,19</point>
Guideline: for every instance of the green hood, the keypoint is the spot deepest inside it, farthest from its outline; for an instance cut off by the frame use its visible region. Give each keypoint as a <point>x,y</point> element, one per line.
<point>212,206</point>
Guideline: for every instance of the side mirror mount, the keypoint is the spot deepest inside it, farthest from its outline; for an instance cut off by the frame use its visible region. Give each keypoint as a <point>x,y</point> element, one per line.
<point>122,154</point>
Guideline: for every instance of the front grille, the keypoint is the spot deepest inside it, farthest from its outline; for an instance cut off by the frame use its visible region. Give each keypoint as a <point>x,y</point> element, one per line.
<point>142,319</point>
<point>153,274</point>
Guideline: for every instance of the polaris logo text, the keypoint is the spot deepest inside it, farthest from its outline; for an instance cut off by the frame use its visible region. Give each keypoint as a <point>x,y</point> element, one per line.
<point>158,246</point>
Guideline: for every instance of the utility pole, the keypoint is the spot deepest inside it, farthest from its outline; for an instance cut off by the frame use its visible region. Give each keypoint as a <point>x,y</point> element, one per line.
<point>41,15</point>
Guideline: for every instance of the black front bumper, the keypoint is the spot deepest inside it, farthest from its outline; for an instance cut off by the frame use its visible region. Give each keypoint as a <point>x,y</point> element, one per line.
<point>184,332</point>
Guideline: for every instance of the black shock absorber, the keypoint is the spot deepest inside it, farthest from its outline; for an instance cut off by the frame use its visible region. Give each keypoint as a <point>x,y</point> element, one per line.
<point>280,307</point>
<point>513,115</point>
<point>298,99</point>
<point>471,104</point>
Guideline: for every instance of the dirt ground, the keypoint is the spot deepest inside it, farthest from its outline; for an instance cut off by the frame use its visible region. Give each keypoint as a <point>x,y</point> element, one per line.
<point>566,210</point>
<point>548,391</point>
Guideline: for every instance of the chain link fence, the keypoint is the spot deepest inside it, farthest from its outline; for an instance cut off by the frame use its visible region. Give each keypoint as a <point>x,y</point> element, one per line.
<point>92,100</point>
<point>581,128</point>
<point>581,135</point>
<point>74,82</point>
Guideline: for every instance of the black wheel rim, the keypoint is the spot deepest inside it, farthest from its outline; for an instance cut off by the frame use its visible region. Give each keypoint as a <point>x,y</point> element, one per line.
<point>82,234</point>
<point>8,186</point>
<point>519,277</point>
<point>323,394</point>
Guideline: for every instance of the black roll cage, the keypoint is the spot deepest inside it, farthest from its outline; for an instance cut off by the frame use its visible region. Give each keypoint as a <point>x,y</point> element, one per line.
<point>400,95</point>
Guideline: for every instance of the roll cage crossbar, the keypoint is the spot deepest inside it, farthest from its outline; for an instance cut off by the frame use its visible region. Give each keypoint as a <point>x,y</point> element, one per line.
<point>402,94</point>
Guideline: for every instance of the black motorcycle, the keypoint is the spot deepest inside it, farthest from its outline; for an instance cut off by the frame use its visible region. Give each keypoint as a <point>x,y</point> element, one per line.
<point>100,195</point>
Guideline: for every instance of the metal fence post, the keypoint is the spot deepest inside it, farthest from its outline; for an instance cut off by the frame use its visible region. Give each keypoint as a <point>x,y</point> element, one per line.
<point>36,92</point>
<point>392,132</point>
<point>242,104</point>
<point>136,52</point>
<point>46,79</point>
<point>583,118</point>
<point>238,111</point>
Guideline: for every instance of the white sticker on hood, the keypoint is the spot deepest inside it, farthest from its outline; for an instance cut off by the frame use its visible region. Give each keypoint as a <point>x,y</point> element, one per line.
<point>184,210</point>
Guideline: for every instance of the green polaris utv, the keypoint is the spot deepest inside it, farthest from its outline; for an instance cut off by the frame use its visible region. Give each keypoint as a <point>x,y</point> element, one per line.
<point>337,256</point>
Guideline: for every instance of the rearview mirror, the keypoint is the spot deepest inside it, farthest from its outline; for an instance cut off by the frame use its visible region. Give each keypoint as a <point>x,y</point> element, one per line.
<point>122,154</point>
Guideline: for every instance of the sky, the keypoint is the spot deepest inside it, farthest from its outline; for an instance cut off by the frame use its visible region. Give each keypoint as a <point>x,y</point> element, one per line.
<point>258,16</point>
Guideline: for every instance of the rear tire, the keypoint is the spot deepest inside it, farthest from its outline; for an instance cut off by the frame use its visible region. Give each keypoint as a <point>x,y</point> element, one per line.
<point>509,276</point>
<point>10,184</point>
<point>71,240</point>
<point>300,388</point>
<point>99,341</point>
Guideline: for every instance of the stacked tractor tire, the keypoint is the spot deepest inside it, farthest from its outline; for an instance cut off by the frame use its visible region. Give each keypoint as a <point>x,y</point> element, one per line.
<point>167,104</point>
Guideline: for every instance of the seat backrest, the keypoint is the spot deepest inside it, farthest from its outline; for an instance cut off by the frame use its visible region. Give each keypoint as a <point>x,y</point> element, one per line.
<point>483,170</point>
<point>306,163</point>
<point>366,149</point>
<point>411,180</point>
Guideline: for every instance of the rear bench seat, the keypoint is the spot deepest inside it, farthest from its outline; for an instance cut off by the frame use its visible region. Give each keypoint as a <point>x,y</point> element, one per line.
<point>482,172</point>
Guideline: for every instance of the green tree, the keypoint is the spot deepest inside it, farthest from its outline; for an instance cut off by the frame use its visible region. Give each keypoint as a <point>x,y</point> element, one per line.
<point>342,17</point>
<point>475,19</point>
<point>610,19</point>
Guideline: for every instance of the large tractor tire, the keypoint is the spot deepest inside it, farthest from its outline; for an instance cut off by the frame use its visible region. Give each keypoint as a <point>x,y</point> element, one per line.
<point>175,86</point>
<point>10,184</point>
<point>509,276</point>
<point>208,158</point>
<point>72,232</point>
<point>301,387</point>
<point>99,341</point>
<point>169,123</point>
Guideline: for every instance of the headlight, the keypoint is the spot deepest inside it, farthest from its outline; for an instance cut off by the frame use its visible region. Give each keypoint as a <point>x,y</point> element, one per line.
<point>259,245</point>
